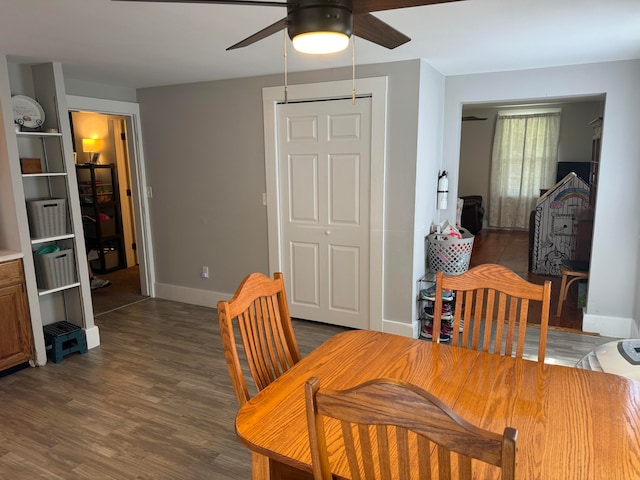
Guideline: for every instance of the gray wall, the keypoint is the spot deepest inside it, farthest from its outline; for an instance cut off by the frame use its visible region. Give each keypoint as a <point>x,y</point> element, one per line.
<point>614,256</point>
<point>99,90</point>
<point>205,157</point>
<point>476,143</point>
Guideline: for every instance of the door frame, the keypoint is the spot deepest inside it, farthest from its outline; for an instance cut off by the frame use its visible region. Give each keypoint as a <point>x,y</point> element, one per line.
<point>131,111</point>
<point>118,127</point>
<point>376,88</point>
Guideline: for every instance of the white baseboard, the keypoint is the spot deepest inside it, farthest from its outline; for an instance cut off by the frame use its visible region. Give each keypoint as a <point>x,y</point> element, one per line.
<point>617,327</point>
<point>93,337</point>
<point>192,296</point>
<point>404,329</point>
<point>635,330</point>
<point>206,298</point>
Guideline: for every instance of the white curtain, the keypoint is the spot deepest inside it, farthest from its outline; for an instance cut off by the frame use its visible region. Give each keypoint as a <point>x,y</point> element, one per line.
<point>525,157</point>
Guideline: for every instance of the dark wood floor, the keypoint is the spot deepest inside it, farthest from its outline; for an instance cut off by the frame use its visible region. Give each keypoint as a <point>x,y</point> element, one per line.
<point>124,290</point>
<point>510,248</point>
<point>153,402</point>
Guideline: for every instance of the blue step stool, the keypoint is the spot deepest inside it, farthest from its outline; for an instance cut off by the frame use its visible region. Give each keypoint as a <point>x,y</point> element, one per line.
<point>63,338</point>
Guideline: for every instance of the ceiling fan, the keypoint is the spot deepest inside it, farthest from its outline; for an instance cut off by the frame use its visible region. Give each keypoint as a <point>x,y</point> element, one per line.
<point>325,26</point>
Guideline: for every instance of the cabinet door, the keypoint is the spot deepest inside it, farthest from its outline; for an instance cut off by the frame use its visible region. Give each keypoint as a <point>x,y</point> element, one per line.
<point>15,331</point>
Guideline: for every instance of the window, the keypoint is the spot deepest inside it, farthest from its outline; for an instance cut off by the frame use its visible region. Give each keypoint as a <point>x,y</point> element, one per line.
<point>524,160</point>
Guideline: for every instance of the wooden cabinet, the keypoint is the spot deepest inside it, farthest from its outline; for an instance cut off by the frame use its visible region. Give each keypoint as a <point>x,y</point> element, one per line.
<point>15,326</point>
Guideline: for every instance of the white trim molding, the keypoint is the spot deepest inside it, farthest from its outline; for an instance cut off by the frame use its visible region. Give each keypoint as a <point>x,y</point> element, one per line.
<point>192,296</point>
<point>376,88</point>
<point>138,178</point>
<point>617,327</point>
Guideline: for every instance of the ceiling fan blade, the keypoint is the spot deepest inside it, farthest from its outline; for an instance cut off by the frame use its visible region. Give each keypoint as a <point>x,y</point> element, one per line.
<point>264,33</point>
<point>473,118</point>
<point>375,30</point>
<point>219,2</point>
<point>364,6</point>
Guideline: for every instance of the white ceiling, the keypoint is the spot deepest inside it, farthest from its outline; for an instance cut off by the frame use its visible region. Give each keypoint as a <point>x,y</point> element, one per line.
<point>152,44</point>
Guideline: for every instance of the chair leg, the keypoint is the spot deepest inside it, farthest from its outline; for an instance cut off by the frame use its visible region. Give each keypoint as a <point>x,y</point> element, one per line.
<point>563,294</point>
<point>564,289</point>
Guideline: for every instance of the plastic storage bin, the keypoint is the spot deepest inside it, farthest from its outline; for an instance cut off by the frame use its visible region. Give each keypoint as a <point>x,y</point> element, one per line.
<point>107,228</point>
<point>111,260</point>
<point>449,254</point>
<point>47,217</point>
<point>54,270</point>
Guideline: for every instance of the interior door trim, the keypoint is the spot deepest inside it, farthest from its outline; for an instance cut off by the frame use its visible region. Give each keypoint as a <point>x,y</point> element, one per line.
<point>138,177</point>
<point>375,87</point>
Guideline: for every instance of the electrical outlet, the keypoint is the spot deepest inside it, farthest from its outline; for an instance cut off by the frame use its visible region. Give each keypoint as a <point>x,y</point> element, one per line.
<point>205,271</point>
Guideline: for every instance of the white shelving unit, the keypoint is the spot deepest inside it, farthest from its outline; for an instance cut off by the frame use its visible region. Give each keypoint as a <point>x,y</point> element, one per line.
<point>70,301</point>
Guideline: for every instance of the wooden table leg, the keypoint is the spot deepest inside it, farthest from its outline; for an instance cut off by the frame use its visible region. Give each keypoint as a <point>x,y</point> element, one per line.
<point>265,468</point>
<point>260,468</point>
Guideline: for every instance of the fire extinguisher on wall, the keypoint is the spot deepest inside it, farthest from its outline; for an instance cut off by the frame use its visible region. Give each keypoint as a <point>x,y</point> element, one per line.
<point>443,190</point>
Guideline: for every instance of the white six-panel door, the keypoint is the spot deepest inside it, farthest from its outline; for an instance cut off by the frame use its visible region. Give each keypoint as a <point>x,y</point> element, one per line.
<point>324,167</point>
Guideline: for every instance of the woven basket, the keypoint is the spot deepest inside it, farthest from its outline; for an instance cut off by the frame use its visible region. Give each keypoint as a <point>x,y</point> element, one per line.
<point>449,254</point>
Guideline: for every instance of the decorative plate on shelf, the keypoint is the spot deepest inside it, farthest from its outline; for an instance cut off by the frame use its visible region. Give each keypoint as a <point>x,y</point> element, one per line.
<point>27,112</point>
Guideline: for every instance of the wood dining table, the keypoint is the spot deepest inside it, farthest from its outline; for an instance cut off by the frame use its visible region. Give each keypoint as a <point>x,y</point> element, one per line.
<point>572,423</point>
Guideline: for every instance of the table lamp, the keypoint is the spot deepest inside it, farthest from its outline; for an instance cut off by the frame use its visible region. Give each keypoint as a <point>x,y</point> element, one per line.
<point>89,145</point>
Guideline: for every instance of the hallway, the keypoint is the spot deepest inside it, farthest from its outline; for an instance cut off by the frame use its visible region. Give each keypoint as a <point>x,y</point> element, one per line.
<point>124,290</point>
<point>510,248</point>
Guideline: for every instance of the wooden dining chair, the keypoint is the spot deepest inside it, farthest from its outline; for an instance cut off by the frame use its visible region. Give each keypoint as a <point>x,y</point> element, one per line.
<point>389,427</point>
<point>491,309</point>
<point>571,271</point>
<point>259,309</point>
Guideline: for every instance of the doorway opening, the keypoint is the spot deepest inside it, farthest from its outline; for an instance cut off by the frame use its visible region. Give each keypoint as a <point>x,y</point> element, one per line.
<point>115,215</point>
<point>104,183</point>
<point>513,248</point>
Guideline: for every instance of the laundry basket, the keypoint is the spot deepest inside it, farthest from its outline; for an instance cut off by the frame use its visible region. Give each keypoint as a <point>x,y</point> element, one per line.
<point>449,254</point>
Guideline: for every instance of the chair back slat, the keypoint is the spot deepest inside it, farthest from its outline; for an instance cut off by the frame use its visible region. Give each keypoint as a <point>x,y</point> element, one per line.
<point>490,320</point>
<point>511,328</point>
<point>383,452</point>
<point>265,343</point>
<point>388,429</point>
<point>424,458</point>
<point>259,313</point>
<point>351,450</point>
<point>492,307</point>
<point>499,321</point>
<point>464,466</point>
<point>444,463</point>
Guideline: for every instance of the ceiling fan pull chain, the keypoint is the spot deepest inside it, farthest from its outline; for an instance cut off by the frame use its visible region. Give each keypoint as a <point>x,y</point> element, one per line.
<point>353,70</point>
<point>285,67</point>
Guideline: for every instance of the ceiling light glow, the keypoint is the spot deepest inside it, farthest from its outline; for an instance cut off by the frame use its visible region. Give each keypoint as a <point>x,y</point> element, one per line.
<point>320,42</point>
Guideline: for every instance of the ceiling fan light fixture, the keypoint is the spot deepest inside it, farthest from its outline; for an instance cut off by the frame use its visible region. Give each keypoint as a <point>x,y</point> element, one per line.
<point>319,43</point>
